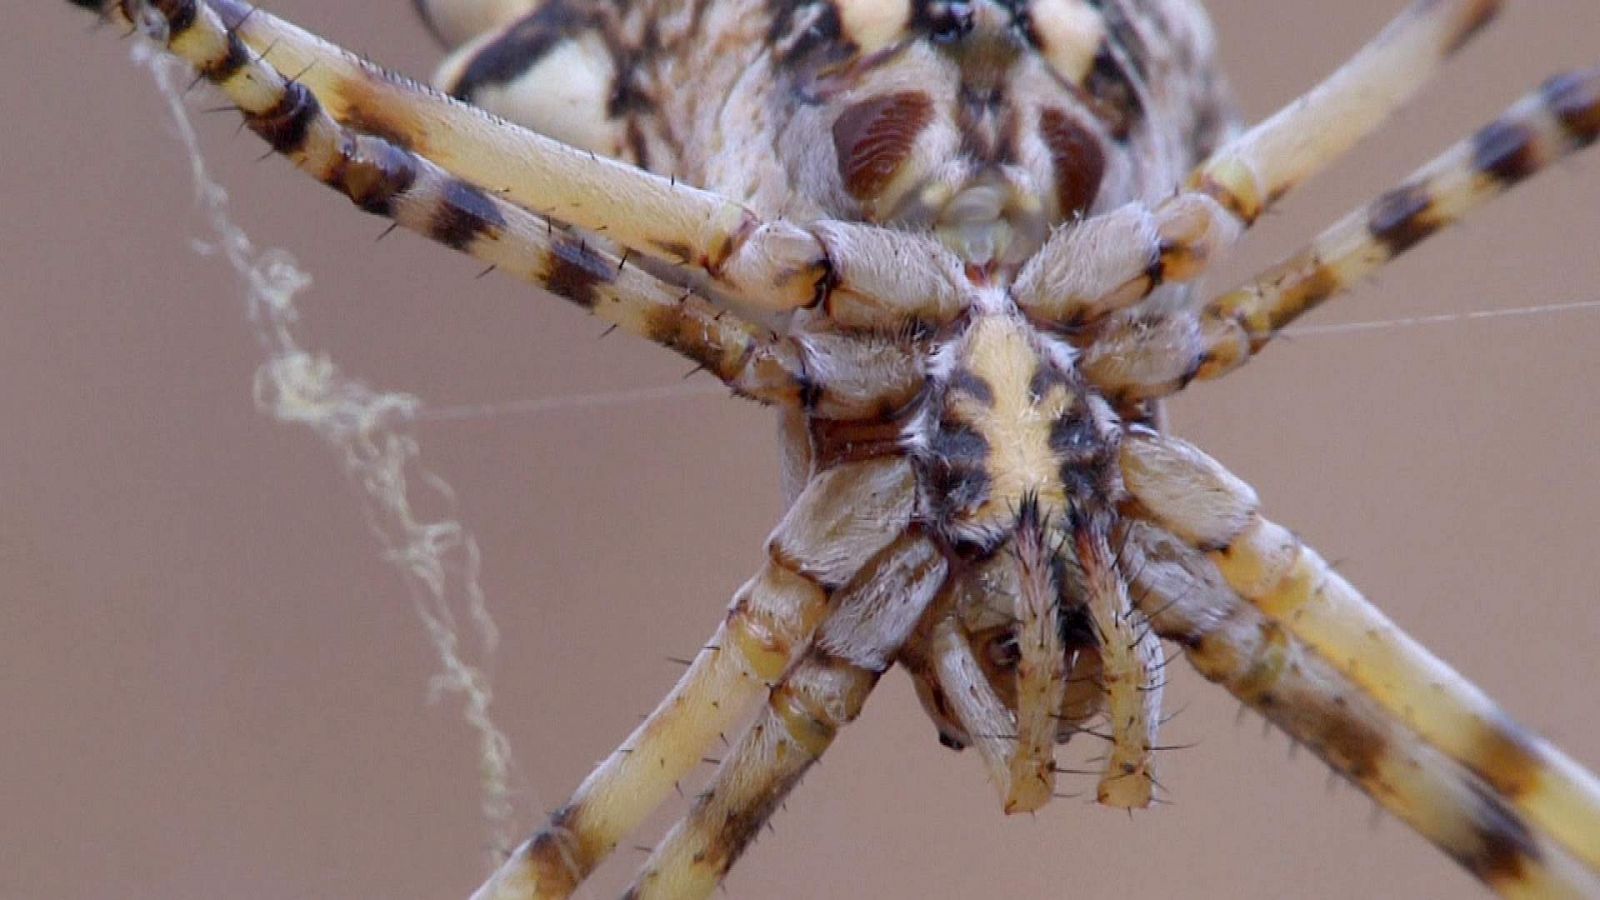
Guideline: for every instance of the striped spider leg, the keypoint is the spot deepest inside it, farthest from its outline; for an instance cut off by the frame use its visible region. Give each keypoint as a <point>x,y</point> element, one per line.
<point>875,579</point>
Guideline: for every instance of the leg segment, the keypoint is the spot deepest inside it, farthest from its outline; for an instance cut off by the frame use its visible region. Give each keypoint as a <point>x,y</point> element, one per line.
<point>1252,172</point>
<point>839,523</point>
<point>804,712</point>
<point>958,678</point>
<point>774,266</point>
<point>1130,658</point>
<point>386,180</point>
<point>1268,667</point>
<point>1193,497</point>
<point>1041,665</point>
<point>1559,119</point>
<point>1243,179</point>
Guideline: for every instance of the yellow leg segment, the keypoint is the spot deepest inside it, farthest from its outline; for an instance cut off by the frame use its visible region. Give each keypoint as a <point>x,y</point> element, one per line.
<point>774,266</point>
<point>1137,359</point>
<point>1130,658</point>
<point>386,180</point>
<point>1253,171</point>
<point>1138,249</point>
<point>1563,116</point>
<point>1262,562</point>
<point>828,538</point>
<point>804,712</point>
<point>1041,667</point>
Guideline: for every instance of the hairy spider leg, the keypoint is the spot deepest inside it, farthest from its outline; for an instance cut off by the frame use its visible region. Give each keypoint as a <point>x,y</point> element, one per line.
<point>1131,659</point>
<point>1533,785</point>
<point>843,519</point>
<point>773,266</point>
<point>1560,118</point>
<point>1143,359</point>
<point>822,693</point>
<point>1041,664</point>
<point>399,184</point>
<point>1178,239</point>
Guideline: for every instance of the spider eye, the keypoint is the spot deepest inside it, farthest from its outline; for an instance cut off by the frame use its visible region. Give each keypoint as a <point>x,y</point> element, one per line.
<point>947,21</point>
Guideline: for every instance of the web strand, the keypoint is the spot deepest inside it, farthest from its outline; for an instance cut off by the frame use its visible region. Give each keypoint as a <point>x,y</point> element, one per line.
<point>1343,328</point>
<point>538,406</point>
<point>367,429</point>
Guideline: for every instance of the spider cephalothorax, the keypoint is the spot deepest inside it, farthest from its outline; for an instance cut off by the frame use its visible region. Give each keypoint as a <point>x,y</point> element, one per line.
<point>949,241</point>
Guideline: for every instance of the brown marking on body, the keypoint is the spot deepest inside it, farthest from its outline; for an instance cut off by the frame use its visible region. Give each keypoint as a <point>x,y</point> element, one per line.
<point>1078,161</point>
<point>873,139</point>
<point>838,441</point>
<point>519,48</point>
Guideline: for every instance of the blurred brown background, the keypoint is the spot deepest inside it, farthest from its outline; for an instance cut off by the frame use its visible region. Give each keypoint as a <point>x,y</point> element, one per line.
<point>210,683</point>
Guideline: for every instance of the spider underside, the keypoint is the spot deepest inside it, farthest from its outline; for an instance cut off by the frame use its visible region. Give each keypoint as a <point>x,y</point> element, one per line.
<point>952,243</point>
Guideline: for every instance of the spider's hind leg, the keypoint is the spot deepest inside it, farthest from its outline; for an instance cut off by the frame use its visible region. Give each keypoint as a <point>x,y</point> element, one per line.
<point>843,519</point>
<point>822,692</point>
<point>1281,591</point>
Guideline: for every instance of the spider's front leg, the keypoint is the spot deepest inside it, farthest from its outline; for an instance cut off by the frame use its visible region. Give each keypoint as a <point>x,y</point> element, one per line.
<point>386,179</point>
<point>1139,248</point>
<point>774,266</point>
<point>1262,613</point>
<point>831,543</point>
<point>1137,359</point>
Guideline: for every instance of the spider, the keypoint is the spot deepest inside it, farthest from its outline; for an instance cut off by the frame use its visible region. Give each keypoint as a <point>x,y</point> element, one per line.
<point>968,735</point>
